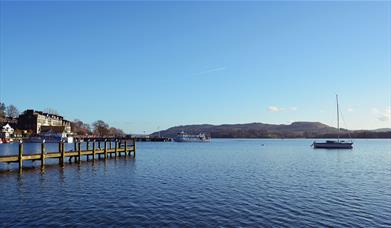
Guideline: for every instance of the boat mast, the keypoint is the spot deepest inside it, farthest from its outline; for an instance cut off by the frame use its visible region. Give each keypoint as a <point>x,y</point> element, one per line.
<point>338,116</point>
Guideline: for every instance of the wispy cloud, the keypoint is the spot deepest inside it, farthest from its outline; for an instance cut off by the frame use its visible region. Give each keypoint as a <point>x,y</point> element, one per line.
<point>383,118</point>
<point>211,70</point>
<point>274,109</point>
<point>350,109</point>
<point>280,109</point>
<point>382,115</point>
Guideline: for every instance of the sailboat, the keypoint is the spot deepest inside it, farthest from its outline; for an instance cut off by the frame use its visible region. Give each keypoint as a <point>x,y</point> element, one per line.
<point>334,144</point>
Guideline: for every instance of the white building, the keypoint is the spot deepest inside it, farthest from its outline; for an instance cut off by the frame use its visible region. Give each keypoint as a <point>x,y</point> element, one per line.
<point>6,131</point>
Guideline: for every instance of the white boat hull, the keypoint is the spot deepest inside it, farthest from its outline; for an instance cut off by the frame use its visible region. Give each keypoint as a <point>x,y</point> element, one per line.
<point>191,140</point>
<point>182,137</point>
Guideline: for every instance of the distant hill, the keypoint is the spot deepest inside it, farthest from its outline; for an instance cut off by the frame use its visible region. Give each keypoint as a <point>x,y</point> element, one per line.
<point>382,130</point>
<point>262,130</point>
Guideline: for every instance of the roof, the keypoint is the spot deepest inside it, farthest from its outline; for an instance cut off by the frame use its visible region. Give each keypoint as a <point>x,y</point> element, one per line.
<point>35,112</point>
<point>7,126</point>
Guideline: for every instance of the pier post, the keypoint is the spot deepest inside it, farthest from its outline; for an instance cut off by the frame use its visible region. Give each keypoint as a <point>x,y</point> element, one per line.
<point>99,148</point>
<point>134,147</point>
<point>20,157</point>
<point>126,147</point>
<point>59,150</point>
<point>93,150</point>
<point>75,146</point>
<point>116,148</point>
<point>110,147</point>
<point>130,147</point>
<point>43,154</point>
<point>79,151</point>
<point>119,146</point>
<point>62,151</point>
<point>88,148</point>
<point>105,149</point>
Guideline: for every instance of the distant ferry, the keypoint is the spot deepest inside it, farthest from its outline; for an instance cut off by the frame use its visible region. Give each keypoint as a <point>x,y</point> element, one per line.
<point>183,137</point>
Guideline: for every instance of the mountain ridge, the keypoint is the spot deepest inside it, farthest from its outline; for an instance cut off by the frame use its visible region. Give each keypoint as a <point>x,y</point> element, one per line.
<point>300,129</point>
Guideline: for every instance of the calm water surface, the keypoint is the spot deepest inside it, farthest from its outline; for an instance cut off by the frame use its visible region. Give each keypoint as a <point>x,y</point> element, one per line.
<point>222,183</point>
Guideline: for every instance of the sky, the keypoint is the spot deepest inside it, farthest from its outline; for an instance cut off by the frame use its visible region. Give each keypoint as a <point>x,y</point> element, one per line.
<point>148,66</point>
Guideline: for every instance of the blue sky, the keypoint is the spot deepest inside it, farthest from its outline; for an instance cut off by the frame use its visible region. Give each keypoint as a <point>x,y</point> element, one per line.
<point>144,66</point>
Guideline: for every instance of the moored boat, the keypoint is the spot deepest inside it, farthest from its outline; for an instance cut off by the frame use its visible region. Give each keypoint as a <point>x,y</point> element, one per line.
<point>6,140</point>
<point>334,144</point>
<point>34,139</point>
<point>49,139</point>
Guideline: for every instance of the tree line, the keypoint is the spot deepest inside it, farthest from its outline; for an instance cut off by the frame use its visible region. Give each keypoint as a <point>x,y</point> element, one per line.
<point>8,111</point>
<point>98,128</point>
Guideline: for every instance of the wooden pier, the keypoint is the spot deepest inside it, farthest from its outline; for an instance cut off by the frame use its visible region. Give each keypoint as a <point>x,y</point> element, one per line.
<point>93,150</point>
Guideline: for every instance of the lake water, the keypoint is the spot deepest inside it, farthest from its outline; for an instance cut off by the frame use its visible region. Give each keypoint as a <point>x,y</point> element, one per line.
<point>222,183</point>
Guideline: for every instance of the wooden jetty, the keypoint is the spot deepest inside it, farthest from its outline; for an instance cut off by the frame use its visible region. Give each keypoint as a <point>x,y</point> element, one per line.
<point>93,149</point>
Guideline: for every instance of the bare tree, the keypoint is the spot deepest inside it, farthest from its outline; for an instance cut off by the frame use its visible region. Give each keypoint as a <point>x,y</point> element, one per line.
<point>116,132</point>
<point>12,111</point>
<point>80,128</point>
<point>100,128</point>
<point>2,111</point>
<point>119,133</point>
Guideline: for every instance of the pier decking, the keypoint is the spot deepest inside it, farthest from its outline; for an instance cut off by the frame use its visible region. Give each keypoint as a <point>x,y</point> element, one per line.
<point>92,149</point>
